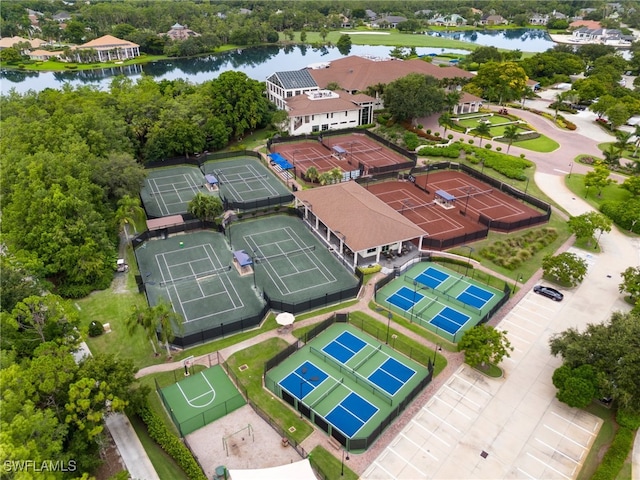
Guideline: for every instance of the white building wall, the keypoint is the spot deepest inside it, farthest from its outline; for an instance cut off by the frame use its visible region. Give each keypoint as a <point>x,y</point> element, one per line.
<point>323,122</point>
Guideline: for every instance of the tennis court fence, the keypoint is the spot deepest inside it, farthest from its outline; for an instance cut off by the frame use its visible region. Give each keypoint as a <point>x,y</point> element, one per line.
<point>205,416</point>
<point>266,202</point>
<point>442,293</point>
<point>418,354</point>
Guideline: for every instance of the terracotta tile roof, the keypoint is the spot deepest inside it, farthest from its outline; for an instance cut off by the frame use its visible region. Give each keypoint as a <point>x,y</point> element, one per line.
<point>108,41</point>
<point>468,98</point>
<point>356,73</point>
<point>303,105</point>
<point>590,24</point>
<point>364,219</point>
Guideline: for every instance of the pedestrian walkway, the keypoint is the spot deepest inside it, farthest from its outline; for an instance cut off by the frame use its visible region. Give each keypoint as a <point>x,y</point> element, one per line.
<point>131,450</point>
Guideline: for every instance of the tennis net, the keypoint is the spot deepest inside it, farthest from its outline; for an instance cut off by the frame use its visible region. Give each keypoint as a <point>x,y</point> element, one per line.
<point>367,357</point>
<point>474,194</point>
<point>423,286</point>
<point>365,150</point>
<point>286,254</point>
<point>245,178</point>
<point>353,375</point>
<point>326,394</point>
<point>152,192</point>
<point>198,277</point>
<point>410,206</point>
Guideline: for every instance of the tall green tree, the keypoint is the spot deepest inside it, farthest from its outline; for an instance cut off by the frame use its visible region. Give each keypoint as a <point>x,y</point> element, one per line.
<point>484,344</point>
<point>631,283</point>
<point>611,349</point>
<point>566,268</point>
<point>141,317</point>
<point>166,322</point>
<point>413,96</point>
<point>445,121</point>
<point>507,78</point>
<point>482,130</point>
<point>510,134</point>
<point>586,225</point>
<point>205,207</point>
<point>598,178</point>
<point>344,44</point>
<point>129,211</point>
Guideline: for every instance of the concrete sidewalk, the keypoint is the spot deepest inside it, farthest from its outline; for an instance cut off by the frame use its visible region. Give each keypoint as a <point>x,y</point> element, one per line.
<point>131,450</point>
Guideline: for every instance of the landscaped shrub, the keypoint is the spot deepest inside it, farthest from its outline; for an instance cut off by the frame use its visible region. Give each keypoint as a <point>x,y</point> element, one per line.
<point>511,253</point>
<point>368,270</point>
<point>628,418</point>
<point>450,151</point>
<point>509,166</point>
<point>615,457</point>
<point>411,141</point>
<point>487,146</point>
<point>623,213</point>
<point>171,444</point>
<point>95,329</point>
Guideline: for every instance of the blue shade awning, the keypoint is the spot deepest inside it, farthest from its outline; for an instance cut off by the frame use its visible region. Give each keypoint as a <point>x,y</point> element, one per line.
<point>242,258</point>
<point>446,196</point>
<point>280,160</point>
<point>211,179</point>
<point>338,149</point>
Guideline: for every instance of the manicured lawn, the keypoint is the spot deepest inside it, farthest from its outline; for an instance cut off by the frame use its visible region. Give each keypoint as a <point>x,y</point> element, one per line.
<point>627,153</point>
<point>612,192</point>
<point>602,442</point>
<point>542,144</point>
<point>330,466</point>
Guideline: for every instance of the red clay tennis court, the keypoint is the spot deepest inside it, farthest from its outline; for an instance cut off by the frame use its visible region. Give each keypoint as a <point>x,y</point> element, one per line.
<point>443,219</point>
<point>348,152</point>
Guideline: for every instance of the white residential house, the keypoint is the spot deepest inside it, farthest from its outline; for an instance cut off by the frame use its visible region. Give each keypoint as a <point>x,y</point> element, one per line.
<point>323,110</point>
<point>281,86</point>
<point>468,104</point>
<point>601,35</point>
<point>180,32</point>
<point>493,20</point>
<point>108,48</point>
<point>388,21</point>
<point>538,19</point>
<point>452,20</point>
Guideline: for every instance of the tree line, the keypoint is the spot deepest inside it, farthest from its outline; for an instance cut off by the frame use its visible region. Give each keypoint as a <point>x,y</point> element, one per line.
<point>72,160</point>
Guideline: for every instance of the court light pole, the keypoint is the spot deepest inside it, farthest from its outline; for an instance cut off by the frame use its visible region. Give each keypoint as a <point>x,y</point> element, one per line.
<point>466,270</point>
<point>570,169</point>
<point>343,458</point>
<point>515,285</point>
<point>389,317</point>
<point>437,348</point>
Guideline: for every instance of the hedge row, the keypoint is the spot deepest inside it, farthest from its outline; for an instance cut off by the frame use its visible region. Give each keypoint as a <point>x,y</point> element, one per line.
<point>450,151</point>
<point>509,166</point>
<point>368,270</point>
<point>171,444</point>
<point>615,457</point>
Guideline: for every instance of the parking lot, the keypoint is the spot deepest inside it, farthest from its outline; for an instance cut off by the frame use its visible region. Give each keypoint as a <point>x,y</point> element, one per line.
<point>480,427</point>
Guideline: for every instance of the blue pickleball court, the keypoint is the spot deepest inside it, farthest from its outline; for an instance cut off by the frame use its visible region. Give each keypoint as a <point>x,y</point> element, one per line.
<point>432,277</point>
<point>405,298</point>
<point>450,320</point>
<point>303,380</point>
<point>351,414</point>
<point>391,375</point>
<point>475,296</point>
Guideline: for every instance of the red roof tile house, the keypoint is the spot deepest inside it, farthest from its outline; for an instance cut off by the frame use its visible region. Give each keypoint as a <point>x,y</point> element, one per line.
<point>311,107</point>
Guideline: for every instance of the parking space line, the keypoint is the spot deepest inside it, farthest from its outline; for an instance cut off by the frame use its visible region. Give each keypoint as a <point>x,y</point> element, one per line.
<point>517,325</point>
<point>472,384</point>
<point>452,407</point>
<point>573,423</point>
<point>540,305</point>
<point>379,465</point>
<point>419,447</point>
<point>433,435</point>
<point>568,438</point>
<point>443,421</point>
<point>548,466</point>
<point>511,334</point>
<point>558,451</point>
<point>526,318</point>
<point>462,396</point>
<point>529,476</point>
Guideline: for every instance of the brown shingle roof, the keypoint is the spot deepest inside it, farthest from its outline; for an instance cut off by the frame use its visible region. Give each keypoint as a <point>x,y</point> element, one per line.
<point>364,219</point>
<point>356,73</point>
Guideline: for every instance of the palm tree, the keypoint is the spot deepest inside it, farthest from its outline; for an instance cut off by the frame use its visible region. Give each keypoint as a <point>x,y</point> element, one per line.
<point>164,318</point>
<point>560,98</point>
<point>336,175</point>
<point>624,138</point>
<point>637,142</point>
<point>128,211</point>
<point>141,317</point>
<point>611,155</point>
<point>482,130</point>
<point>445,121</point>
<point>510,133</point>
<point>527,92</point>
<point>205,207</point>
<point>312,174</point>
<point>451,99</point>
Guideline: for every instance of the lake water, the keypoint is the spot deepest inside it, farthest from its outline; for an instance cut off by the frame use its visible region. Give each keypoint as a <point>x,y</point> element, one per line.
<point>258,63</point>
<point>524,39</point>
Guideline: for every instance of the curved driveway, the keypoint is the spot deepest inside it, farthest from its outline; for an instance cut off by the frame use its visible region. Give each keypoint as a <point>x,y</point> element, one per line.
<point>478,427</point>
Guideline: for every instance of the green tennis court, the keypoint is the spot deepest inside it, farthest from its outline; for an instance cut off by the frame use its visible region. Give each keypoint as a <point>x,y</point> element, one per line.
<point>441,300</point>
<point>246,183</point>
<point>196,274</point>
<point>289,261</point>
<point>201,399</point>
<point>347,383</point>
<point>168,191</point>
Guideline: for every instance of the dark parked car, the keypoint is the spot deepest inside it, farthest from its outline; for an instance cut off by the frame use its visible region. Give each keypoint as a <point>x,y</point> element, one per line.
<point>552,293</point>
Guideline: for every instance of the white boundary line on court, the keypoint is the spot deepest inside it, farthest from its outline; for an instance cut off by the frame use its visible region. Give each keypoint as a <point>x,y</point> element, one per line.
<point>189,400</point>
